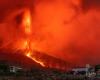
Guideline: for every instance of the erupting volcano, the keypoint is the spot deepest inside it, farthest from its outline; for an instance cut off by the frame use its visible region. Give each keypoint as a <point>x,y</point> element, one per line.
<point>61,32</point>
<point>27,27</point>
<point>36,56</point>
<point>24,47</point>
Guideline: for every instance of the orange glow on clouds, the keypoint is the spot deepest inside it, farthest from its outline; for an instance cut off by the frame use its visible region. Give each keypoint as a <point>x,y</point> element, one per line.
<point>66,29</point>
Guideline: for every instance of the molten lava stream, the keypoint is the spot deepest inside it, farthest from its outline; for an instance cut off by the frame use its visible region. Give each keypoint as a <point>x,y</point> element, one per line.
<point>29,54</point>
<point>27,29</point>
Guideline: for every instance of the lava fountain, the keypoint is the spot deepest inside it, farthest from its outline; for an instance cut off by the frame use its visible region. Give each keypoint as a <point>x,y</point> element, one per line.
<point>27,28</point>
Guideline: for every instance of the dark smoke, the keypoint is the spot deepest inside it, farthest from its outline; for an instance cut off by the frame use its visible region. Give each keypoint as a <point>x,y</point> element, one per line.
<point>7,6</point>
<point>88,4</point>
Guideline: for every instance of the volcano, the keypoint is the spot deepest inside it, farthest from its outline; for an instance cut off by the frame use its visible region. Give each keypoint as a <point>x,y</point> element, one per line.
<point>34,29</point>
<point>17,58</point>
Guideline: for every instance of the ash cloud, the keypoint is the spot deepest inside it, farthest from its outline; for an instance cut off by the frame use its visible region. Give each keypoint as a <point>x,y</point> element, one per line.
<point>8,6</point>
<point>76,41</point>
<point>88,4</point>
<point>11,12</point>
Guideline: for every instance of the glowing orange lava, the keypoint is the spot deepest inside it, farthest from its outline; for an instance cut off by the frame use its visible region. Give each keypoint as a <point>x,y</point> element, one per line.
<point>27,27</point>
<point>27,22</point>
<point>29,54</point>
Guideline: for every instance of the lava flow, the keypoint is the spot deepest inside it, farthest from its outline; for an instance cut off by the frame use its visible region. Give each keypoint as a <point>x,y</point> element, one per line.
<point>27,29</point>
<point>29,52</point>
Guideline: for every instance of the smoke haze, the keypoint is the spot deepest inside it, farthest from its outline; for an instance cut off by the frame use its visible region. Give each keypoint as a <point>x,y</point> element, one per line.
<point>62,28</point>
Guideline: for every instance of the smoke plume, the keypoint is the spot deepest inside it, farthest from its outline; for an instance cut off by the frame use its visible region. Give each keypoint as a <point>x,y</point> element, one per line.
<point>65,29</point>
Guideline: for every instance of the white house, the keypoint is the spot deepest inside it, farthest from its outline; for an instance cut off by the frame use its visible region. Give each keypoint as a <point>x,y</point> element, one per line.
<point>14,69</point>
